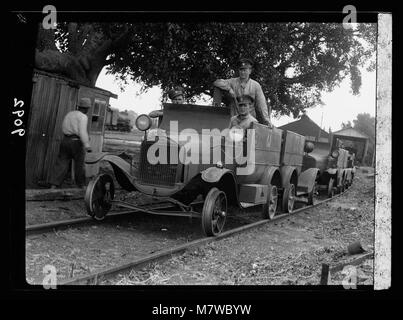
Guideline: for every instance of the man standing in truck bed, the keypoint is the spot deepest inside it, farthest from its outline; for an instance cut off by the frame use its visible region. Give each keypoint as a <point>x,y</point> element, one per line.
<point>230,89</point>
<point>176,95</point>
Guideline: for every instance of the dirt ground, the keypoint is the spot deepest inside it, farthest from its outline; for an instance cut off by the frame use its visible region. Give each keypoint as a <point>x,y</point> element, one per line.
<point>290,252</point>
<point>86,248</point>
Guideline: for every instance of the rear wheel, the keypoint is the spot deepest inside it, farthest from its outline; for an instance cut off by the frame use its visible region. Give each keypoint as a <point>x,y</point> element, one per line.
<point>214,212</point>
<point>346,184</point>
<point>330,189</point>
<point>270,207</point>
<point>288,198</point>
<point>311,195</point>
<point>342,186</point>
<point>98,196</point>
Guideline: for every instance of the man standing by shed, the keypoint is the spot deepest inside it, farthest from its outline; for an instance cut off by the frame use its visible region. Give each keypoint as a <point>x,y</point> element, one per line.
<point>73,146</point>
<point>229,89</point>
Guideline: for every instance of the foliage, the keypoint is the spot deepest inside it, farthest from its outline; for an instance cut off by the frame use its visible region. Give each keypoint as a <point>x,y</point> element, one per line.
<point>346,125</point>
<point>78,50</point>
<point>366,124</point>
<point>295,62</point>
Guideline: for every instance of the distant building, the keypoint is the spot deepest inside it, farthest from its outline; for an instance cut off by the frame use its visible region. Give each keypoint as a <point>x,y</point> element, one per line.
<point>312,132</point>
<point>353,140</point>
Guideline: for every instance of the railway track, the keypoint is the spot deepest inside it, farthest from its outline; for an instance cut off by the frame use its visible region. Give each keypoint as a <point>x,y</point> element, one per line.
<point>97,276</point>
<point>63,224</point>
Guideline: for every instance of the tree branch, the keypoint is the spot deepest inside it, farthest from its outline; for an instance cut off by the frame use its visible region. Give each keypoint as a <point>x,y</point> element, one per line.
<point>72,37</point>
<point>46,39</point>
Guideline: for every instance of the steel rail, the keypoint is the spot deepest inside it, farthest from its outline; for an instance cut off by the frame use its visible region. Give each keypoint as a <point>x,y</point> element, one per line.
<point>49,226</point>
<point>94,277</point>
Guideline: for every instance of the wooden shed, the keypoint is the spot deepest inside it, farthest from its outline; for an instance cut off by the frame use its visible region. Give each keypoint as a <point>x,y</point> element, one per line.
<point>53,96</point>
<point>355,140</point>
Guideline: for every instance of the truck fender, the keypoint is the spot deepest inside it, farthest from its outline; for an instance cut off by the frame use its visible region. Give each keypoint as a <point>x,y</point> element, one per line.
<point>223,179</point>
<point>268,175</point>
<point>120,168</point>
<point>286,174</point>
<point>307,179</point>
<point>213,174</point>
<point>94,157</point>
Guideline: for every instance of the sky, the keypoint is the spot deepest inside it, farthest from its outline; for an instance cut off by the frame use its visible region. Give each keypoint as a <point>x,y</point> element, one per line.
<point>339,106</point>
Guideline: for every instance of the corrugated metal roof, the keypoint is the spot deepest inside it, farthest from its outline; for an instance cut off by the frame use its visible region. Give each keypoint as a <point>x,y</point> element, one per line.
<point>351,132</point>
<point>306,127</point>
<point>74,82</point>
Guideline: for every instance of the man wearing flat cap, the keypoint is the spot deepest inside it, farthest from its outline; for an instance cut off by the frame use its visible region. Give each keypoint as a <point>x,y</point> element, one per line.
<point>243,119</point>
<point>176,95</point>
<point>228,89</point>
<point>74,144</point>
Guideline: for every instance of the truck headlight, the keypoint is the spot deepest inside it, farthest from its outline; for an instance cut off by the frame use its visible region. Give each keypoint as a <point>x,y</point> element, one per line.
<point>143,122</point>
<point>335,154</point>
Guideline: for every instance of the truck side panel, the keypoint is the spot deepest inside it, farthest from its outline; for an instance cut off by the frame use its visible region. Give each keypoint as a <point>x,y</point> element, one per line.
<point>293,150</point>
<point>266,150</point>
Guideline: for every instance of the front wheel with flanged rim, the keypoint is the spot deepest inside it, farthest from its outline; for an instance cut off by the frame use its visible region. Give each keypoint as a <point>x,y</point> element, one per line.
<point>346,184</point>
<point>214,212</point>
<point>98,196</point>
<point>288,198</point>
<point>270,207</point>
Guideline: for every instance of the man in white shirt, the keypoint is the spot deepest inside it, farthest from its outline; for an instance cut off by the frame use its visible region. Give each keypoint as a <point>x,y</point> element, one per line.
<point>229,89</point>
<point>74,144</point>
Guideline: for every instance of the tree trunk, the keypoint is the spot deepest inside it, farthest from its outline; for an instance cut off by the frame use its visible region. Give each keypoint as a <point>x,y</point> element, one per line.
<point>60,63</point>
<point>84,59</point>
<point>83,70</point>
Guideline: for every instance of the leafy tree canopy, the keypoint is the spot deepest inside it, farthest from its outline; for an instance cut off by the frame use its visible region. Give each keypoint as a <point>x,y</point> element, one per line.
<point>366,124</point>
<point>295,62</point>
<point>346,125</point>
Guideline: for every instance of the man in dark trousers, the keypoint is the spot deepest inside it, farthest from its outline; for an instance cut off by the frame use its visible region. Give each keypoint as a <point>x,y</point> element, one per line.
<point>228,89</point>
<point>74,145</point>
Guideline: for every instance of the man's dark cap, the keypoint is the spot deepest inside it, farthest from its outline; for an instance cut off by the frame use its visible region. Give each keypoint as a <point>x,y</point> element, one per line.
<point>177,91</point>
<point>84,103</point>
<point>245,63</point>
<point>245,99</point>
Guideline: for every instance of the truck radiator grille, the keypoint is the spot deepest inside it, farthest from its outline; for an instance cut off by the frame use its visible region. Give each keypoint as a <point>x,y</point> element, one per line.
<point>156,174</point>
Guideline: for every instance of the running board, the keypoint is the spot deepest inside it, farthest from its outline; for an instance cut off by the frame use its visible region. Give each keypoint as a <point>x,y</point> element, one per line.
<point>253,194</point>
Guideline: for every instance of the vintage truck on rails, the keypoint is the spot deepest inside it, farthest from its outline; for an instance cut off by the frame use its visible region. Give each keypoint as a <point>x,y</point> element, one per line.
<point>200,168</point>
<point>336,167</point>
